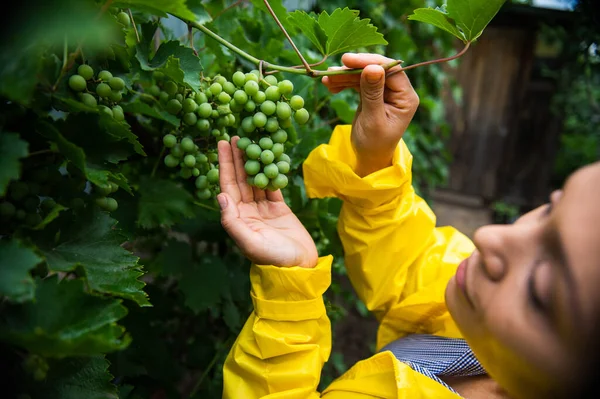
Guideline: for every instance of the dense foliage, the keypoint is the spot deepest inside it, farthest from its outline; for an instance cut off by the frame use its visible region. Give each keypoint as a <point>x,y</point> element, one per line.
<point>116,278</point>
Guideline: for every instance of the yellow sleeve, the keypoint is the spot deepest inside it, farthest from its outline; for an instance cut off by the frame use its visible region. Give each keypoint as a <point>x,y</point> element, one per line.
<point>287,338</point>
<point>398,261</point>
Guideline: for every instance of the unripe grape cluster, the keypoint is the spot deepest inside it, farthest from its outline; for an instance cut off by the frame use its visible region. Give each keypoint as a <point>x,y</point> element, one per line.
<point>261,111</point>
<point>102,91</point>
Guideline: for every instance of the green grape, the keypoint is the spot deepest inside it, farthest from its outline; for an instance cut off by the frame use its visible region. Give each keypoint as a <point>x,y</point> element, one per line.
<point>203,125</point>
<point>222,121</point>
<point>123,18</point>
<point>169,140</point>
<point>268,107</point>
<point>252,167</point>
<point>158,76</point>
<point>213,157</point>
<point>189,105</point>
<point>231,119</point>
<point>201,98</point>
<point>115,96</point>
<point>118,113</point>
<point>85,71</point>
<point>279,136</point>
<point>201,158</point>
<point>173,106</point>
<point>267,157</point>
<point>48,204</point>
<point>114,187</point>
<point>154,90</point>
<point>195,172</point>
<point>185,173</point>
<point>229,88</point>
<point>285,123</point>
<point>243,143</point>
<point>273,93</point>
<point>224,109</point>
<point>203,194</point>
<point>213,176</point>
<point>239,79</point>
<point>187,145</point>
<point>277,149</point>
<point>272,125</point>
<point>260,119</point>
<point>260,97</point>
<point>250,106</point>
<point>271,80</point>
<point>7,210</point>
<point>296,102</point>
<point>255,72</point>
<point>104,109</point>
<point>111,204</point>
<point>89,100</point>
<point>251,88</point>
<point>216,89</point>
<point>225,137</point>
<point>104,75</point>
<point>265,143</point>
<point>214,114</point>
<point>103,90</point>
<point>281,181</point>
<point>171,161</point>
<point>240,97</point>
<point>286,87</point>
<point>250,180</point>
<point>77,83</point>
<point>216,133</point>
<point>190,119</point>
<point>261,181</point>
<point>179,97</point>
<point>271,171</point>
<point>251,77</point>
<point>284,158</point>
<point>201,182</point>
<point>284,111</point>
<point>33,219</point>
<point>189,161</point>
<point>205,110</point>
<point>248,124</point>
<point>171,88</point>
<point>220,80</point>
<point>177,151</point>
<point>163,97</point>
<point>224,98</point>
<point>102,189</point>
<point>20,214</point>
<point>253,151</point>
<point>301,116</point>
<point>116,83</point>
<point>283,167</point>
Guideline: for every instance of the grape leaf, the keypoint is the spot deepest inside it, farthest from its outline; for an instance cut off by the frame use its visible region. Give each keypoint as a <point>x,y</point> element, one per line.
<point>77,378</point>
<point>16,261</point>
<point>202,14</point>
<point>12,148</point>
<point>174,60</point>
<point>90,242</point>
<point>346,31</point>
<point>65,321</point>
<point>309,26</point>
<point>213,274</point>
<point>163,203</point>
<point>161,8</point>
<point>437,18</point>
<point>472,16</point>
<point>343,110</point>
<point>53,214</point>
<point>121,131</point>
<point>139,107</point>
<point>231,316</point>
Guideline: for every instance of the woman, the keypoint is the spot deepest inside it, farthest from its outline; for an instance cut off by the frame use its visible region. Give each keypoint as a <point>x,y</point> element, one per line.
<point>510,315</point>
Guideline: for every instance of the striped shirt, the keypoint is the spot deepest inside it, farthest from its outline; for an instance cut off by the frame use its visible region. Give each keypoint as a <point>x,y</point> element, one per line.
<point>436,357</point>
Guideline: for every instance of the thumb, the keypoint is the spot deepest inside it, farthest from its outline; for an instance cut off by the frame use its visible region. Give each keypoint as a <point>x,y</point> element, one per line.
<point>233,225</point>
<point>372,86</point>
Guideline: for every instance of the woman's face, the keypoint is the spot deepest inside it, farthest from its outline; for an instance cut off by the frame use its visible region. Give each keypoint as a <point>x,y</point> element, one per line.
<point>528,297</point>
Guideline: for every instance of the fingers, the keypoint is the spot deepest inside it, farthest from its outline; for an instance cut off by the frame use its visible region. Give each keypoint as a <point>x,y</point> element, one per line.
<point>227,177</point>
<point>235,227</point>
<point>246,192</point>
<point>274,196</point>
<point>372,88</point>
<point>361,60</point>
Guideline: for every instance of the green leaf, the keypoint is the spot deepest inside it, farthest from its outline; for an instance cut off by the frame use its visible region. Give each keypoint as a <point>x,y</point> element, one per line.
<point>437,18</point>
<point>53,214</point>
<point>20,67</point>
<point>346,31</point>
<point>163,203</point>
<point>309,26</point>
<point>175,61</point>
<point>202,15</point>
<point>78,378</point>
<point>65,321</point>
<point>472,16</point>
<point>231,316</point>
<point>161,8</point>
<point>16,261</point>
<point>12,148</point>
<point>139,107</point>
<point>90,242</point>
<point>343,110</point>
<point>213,274</point>
<point>121,131</point>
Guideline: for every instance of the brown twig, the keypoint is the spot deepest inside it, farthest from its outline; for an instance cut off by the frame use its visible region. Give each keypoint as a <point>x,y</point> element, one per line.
<point>137,35</point>
<point>306,66</point>
<point>191,39</point>
<point>313,65</point>
<point>420,64</point>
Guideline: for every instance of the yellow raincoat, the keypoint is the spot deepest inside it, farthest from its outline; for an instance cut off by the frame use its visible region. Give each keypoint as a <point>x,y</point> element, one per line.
<point>399,264</point>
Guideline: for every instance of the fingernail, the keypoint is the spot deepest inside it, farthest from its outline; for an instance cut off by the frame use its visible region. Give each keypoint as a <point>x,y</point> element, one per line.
<point>373,78</point>
<point>222,200</point>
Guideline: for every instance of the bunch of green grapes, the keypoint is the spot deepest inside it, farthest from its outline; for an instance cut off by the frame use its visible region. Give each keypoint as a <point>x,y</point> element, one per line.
<point>103,91</point>
<point>259,110</point>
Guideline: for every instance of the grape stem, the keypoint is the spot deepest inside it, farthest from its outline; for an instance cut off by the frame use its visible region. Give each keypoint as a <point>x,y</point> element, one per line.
<point>137,35</point>
<point>306,66</point>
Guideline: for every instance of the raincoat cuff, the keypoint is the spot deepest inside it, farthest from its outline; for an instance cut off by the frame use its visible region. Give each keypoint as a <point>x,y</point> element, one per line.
<point>290,294</point>
<point>329,172</point>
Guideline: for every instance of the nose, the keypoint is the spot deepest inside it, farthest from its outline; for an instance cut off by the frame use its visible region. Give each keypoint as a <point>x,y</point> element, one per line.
<point>492,246</point>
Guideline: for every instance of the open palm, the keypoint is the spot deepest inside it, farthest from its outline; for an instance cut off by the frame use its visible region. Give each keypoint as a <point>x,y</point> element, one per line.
<point>259,221</point>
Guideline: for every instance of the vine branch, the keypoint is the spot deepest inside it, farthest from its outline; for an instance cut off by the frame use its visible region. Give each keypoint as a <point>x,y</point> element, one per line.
<point>420,64</point>
<point>137,35</point>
